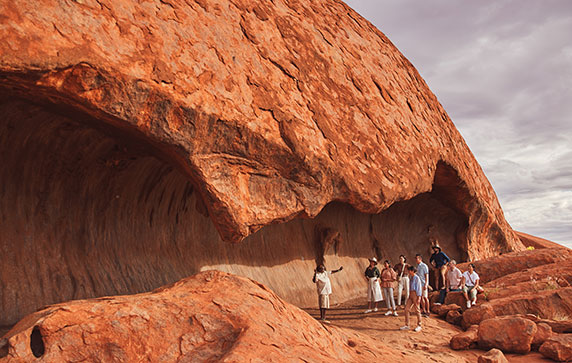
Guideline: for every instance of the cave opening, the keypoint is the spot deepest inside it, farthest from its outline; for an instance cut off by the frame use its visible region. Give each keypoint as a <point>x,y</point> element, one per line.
<point>88,211</point>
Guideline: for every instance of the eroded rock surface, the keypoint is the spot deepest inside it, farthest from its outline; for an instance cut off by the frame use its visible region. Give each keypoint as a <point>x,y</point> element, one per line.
<point>508,333</point>
<point>136,137</point>
<point>212,316</point>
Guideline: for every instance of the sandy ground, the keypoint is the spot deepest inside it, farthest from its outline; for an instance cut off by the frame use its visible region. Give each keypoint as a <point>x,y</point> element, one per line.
<point>431,344</point>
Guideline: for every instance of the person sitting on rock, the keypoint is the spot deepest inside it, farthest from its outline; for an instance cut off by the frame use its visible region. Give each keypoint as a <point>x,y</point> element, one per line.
<point>453,280</point>
<point>415,294</point>
<point>402,280</point>
<point>322,280</point>
<point>470,283</point>
<point>372,276</point>
<point>439,260</point>
<point>388,277</point>
<point>423,273</point>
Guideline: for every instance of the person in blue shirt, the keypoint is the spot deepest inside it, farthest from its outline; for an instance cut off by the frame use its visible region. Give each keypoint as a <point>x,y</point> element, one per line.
<point>423,273</point>
<point>439,260</point>
<point>415,295</point>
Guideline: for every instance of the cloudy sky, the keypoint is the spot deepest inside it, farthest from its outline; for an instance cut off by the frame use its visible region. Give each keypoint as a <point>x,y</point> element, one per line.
<point>503,71</point>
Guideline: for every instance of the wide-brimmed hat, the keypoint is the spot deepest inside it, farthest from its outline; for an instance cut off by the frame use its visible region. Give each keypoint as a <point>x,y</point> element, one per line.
<point>374,260</point>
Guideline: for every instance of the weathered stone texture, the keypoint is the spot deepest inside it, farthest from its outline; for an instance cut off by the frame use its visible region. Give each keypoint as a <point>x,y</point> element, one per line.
<point>137,137</point>
<point>212,316</point>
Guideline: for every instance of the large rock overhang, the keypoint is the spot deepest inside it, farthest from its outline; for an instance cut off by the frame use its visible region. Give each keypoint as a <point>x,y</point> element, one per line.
<point>131,130</point>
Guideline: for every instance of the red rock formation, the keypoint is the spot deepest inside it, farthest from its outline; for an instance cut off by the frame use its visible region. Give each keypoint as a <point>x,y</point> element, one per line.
<point>558,348</point>
<point>543,333</point>
<point>536,242</point>
<point>212,316</point>
<point>136,137</point>
<point>497,267</point>
<point>508,333</point>
<point>465,340</point>
<point>493,356</point>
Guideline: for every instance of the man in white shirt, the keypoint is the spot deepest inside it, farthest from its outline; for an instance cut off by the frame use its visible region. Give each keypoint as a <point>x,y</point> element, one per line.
<point>324,286</point>
<point>453,280</point>
<point>470,284</point>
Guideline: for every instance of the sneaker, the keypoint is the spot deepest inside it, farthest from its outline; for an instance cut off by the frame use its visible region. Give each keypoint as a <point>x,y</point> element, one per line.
<point>388,313</point>
<point>367,311</point>
<point>468,304</point>
<point>425,315</point>
<point>375,310</point>
<point>417,328</point>
<point>474,302</point>
<point>395,313</point>
<point>405,327</point>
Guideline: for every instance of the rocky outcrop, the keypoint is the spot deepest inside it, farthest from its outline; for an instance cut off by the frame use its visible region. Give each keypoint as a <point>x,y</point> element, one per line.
<point>509,334</point>
<point>137,137</point>
<point>493,356</point>
<point>465,340</point>
<point>212,316</point>
<point>497,267</point>
<point>558,348</point>
<point>543,333</point>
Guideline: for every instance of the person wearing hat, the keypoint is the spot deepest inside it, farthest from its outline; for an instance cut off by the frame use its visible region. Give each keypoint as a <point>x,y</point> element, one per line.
<point>372,275</point>
<point>439,260</point>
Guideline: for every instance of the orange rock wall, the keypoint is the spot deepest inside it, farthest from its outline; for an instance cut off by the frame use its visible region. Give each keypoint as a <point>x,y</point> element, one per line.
<point>126,124</point>
<point>89,213</point>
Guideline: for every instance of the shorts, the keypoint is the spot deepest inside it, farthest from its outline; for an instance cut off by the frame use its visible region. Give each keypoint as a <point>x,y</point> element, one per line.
<point>425,292</point>
<point>324,301</point>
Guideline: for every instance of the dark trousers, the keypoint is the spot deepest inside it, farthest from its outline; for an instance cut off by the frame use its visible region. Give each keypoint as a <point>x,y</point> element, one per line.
<point>443,294</point>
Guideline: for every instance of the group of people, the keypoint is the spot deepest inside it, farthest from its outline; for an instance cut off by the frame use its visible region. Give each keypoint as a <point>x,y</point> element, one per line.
<point>412,285</point>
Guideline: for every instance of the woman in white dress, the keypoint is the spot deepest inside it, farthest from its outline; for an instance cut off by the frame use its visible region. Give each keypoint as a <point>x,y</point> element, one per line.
<point>372,275</point>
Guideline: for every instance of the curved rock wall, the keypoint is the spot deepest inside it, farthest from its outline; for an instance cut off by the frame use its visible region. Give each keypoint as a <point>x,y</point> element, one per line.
<point>90,212</point>
<point>136,137</point>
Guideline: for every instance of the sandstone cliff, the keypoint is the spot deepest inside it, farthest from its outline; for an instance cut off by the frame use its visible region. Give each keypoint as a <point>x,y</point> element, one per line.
<point>137,137</point>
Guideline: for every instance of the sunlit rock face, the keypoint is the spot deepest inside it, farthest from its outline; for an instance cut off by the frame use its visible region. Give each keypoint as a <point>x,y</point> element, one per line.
<point>141,143</point>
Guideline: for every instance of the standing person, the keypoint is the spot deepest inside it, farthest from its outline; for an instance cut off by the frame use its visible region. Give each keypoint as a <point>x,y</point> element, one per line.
<point>402,279</point>
<point>388,277</point>
<point>372,275</point>
<point>415,293</point>
<point>470,284</point>
<point>439,260</point>
<point>453,280</point>
<point>423,273</point>
<point>322,280</point>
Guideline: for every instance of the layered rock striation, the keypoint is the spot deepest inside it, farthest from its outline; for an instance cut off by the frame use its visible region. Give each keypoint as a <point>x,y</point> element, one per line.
<point>138,139</point>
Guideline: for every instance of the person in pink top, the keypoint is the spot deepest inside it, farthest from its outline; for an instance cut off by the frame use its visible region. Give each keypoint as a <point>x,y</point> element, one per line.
<point>388,278</point>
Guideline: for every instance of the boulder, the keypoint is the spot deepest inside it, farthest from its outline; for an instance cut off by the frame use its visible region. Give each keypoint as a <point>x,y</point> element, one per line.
<point>508,333</point>
<point>493,356</point>
<point>465,340</point>
<point>443,310</point>
<point>543,333</point>
<point>211,316</point>
<point>457,298</point>
<point>149,139</point>
<point>454,317</point>
<point>474,316</point>
<point>558,348</point>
